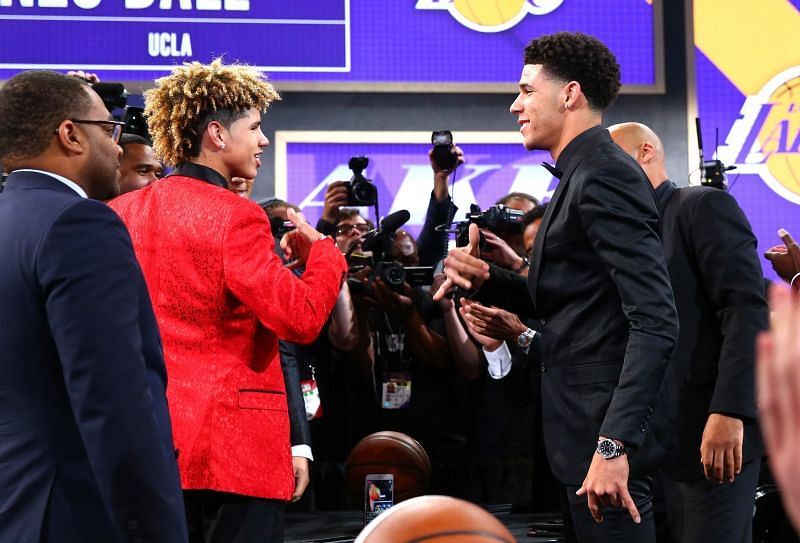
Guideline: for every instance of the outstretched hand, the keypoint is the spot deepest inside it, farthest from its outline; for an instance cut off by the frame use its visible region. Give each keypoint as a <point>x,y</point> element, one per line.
<point>785,259</point>
<point>778,386</point>
<point>463,266</point>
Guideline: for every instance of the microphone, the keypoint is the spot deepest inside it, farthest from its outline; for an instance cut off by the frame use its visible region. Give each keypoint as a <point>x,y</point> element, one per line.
<point>388,226</point>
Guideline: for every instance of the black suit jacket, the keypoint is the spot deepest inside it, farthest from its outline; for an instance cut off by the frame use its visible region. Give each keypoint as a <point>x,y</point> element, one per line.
<point>719,292</point>
<point>86,451</point>
<point>292,356</point>
<point>599,284</point>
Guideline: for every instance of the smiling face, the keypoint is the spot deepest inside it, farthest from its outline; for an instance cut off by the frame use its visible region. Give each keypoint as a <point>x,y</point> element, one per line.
<point>539,108</point>
<point>244,144</point>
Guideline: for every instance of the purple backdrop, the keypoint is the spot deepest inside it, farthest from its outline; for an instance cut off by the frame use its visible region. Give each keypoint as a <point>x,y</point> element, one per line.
<point>395,41</point>
<point>403,176</point>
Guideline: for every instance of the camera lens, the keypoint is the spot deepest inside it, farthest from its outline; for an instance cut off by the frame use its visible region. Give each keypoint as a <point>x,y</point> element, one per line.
<point>394,274</point>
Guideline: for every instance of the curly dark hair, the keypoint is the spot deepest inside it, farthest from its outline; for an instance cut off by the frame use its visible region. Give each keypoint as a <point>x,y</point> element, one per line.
<point>572,56</point>
<point>32,106</point>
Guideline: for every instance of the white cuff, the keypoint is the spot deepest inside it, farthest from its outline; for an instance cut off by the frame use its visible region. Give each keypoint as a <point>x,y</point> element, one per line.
<point>499,361</point>
<point>302,450</point>
<point>791,283</point>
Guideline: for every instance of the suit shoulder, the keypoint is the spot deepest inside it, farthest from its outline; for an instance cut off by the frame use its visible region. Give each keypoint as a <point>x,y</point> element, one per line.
<point>706,197</point>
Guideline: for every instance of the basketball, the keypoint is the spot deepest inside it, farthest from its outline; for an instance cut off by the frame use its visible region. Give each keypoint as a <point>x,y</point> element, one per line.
<point>435,519</point>
<point>489,13</point>
<point>388,452</point>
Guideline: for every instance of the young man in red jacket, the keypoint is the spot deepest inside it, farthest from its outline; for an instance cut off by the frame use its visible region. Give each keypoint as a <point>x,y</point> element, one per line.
<point>222,298</point>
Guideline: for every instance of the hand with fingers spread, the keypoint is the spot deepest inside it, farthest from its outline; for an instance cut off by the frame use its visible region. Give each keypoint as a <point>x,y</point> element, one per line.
<point>778,380</point>
<point>721,448</point>
<point>335,197</point>
<point>296,244</point>
<point>785,259</point>
<point>501,253</point>
<point>606,485</point>
<point>463,266</point>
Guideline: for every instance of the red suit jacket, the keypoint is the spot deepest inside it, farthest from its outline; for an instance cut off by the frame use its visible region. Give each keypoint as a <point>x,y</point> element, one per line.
<point>222,299</point>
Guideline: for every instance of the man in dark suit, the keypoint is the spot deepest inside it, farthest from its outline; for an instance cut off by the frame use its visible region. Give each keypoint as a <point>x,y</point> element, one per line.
<point>599,285</point>
<point>719,292</point>
<point>86,448</point>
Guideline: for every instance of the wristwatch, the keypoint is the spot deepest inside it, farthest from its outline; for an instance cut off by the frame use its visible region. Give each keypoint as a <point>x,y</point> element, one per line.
<point>526,338</point>
<point>609,448</point>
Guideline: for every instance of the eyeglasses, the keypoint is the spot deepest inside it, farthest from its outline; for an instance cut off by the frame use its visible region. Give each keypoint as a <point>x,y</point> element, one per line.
<point>345,229</point>
<point>115,133</point>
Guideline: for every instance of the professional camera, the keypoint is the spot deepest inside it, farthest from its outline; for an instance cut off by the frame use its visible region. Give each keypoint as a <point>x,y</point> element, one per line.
<point>379,243</point>
<point>360,190</point>
<point>443,156</point>
<point>114,95</point>
<point>136,123</point>
<point>498,219</point>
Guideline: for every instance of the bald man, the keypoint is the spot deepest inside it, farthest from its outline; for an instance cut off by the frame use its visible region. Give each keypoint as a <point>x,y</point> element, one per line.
<point>716,277</point>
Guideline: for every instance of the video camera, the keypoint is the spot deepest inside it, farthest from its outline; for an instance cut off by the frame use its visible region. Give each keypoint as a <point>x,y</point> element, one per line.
<point>360,190</point>
<point>442,141</point>
<point>115,97</point>
<point>498,219</point>
<point>391,272</point>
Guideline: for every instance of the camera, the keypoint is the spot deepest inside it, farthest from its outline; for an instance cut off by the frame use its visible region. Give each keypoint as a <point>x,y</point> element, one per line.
<point>442,141</point>
<point>394,274</point>
<point>360,190</point>
<point>114,95</point>
<point>498,219</point>
<point>115,98</point>
<point>136,123</point>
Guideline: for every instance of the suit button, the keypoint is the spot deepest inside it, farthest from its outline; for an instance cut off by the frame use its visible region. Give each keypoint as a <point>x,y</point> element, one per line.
<point>544,367</point>
<point>543,322</point>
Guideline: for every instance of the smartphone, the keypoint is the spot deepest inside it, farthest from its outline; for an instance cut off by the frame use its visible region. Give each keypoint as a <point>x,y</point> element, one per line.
<point>378,494</point>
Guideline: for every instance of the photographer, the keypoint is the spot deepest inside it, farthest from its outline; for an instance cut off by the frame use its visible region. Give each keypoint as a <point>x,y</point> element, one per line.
<point>401,377</point>
<point>432,241</point>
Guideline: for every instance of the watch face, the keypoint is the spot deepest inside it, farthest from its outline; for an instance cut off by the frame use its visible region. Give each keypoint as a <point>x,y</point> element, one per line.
<point>607,448</point>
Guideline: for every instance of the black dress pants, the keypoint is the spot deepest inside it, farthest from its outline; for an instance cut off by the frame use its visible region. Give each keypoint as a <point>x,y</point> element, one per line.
<point>617,525</point>
<point>221,517</point>
<point>703,511</point>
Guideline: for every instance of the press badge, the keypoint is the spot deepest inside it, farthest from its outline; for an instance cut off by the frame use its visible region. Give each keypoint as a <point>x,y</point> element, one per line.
<point>396,390</point>
<point>311,399</point>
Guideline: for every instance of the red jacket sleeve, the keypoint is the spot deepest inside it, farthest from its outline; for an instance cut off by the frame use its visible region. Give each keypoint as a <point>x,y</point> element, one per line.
<point>294,308</point>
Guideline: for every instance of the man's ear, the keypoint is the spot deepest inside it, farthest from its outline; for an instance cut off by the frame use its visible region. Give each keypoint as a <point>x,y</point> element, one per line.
<point>572,92</point>
<point>646,153</point>
<point>215,132</point>
<point>70,138</point>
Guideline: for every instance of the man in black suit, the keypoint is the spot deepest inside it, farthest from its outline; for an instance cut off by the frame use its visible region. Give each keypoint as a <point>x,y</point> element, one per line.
<point>719,292</point>
<point>86,448</point>
<point>599,285</point>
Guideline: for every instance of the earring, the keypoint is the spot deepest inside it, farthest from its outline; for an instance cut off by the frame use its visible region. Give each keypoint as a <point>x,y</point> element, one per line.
<point>221,146</point>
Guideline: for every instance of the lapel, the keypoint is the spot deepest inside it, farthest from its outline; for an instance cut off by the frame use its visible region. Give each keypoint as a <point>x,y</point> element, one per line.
<point>538,244</point>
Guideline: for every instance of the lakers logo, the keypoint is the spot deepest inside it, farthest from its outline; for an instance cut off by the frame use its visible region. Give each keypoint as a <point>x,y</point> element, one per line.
<point>766,140</point>
<point>490,15</point>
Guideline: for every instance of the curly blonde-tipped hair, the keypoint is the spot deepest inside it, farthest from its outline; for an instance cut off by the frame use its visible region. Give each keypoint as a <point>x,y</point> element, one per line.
<point>181,105</point>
